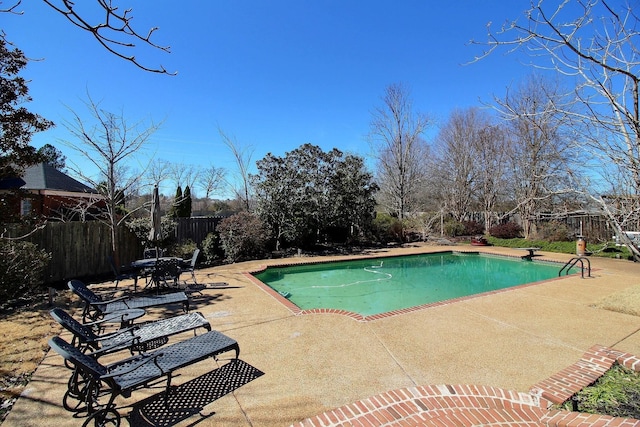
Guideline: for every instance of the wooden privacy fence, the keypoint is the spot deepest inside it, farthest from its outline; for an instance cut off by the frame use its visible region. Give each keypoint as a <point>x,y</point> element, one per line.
<point>79,249</point>
<point>594,227</point>
<point>196,228</point>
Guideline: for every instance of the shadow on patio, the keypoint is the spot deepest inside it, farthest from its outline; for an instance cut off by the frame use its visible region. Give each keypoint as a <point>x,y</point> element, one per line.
<point>190,398</point>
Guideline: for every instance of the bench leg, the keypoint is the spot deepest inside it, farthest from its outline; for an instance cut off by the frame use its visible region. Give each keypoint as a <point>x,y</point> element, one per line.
<point>168,389</point>
<point>103,417</point>
<point>236,347</point>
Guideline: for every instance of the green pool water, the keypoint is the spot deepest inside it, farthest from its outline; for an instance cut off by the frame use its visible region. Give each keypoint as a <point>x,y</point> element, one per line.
<point>374,286</point>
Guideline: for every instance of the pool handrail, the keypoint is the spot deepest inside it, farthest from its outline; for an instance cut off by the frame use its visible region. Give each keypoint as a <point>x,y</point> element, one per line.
<point>572,262</point>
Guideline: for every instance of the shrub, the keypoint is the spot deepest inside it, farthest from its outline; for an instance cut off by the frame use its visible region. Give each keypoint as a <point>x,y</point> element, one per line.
<point>472,228</point>
<point>386,228</point>
<point>420,225</point>
<point>183,250</point>
<point>508,230</point>
<point>21,269</point>
<point>454,228</point>
<point>211,248</point>
<point>141,227</point>
<point>553,231</point>
<point>242,236</point>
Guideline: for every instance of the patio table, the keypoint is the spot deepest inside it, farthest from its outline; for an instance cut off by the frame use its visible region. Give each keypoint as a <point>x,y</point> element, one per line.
<point>147,265</point>
<point>141,264</point>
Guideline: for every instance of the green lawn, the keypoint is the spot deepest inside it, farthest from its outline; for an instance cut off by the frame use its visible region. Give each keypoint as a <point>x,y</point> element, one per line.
<point>609,250</point>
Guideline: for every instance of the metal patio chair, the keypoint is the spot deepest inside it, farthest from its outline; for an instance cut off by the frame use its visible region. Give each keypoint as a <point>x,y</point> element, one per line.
<point>95,307</point>
<point>189,266</point>
<point>166,273</point>
<point>95,382</point>
<point>153,253</point>
<point>123,274</point>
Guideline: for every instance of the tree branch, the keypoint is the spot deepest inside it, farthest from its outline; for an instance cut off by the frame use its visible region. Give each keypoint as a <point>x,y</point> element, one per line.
<point>116,24</point>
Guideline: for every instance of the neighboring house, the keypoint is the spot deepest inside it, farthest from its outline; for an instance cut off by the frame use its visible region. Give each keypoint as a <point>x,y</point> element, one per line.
<point>46,192</point>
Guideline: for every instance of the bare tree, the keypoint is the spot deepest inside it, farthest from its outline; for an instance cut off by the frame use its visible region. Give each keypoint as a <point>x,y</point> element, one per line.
<point>81,208</point>
<point>595,43</point>
<point>491,148</point>
<point>211,180</point>
<point>108,143</point>
<point>242,156</point>
<point>455,165</point>
<point>395,135</point>
<point>183,175</point>
<point>539,150</point>
<point>12,8</point>
<point>469,164</point>
<point>158,171</point>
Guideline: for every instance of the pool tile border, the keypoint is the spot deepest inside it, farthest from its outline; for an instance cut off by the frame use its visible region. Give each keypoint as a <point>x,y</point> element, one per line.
<point>359,317</point>
<point>471,405</point>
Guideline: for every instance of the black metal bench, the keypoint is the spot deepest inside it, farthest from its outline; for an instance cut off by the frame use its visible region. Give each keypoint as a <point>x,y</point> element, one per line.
<point>92,380</point>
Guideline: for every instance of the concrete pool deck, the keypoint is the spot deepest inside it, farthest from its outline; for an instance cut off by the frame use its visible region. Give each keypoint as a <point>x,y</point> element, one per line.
<point>300,366</point>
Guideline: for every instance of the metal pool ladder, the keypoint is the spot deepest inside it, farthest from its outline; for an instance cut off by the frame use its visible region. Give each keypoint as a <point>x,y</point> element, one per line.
<point>572,262</point>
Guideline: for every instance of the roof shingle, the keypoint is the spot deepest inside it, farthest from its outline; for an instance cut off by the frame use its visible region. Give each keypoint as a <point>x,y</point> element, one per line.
<point>45,177</point>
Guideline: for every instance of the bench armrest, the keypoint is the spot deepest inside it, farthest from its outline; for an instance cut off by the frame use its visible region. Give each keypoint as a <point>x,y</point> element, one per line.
<point>132,341</point>
<point>123,297</point>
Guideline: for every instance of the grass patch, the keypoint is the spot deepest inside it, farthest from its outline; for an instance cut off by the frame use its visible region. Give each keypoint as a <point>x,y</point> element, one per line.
<point>626,301</point>
<point>608,250</point>
<point>25,329</point>
<point>616,393</point>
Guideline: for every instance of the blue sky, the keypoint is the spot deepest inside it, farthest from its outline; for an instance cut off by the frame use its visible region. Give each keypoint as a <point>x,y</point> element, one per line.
<point>274,75</point>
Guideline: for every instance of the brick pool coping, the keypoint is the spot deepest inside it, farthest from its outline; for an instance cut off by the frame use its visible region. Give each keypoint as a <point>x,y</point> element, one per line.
<point>359,317</point>
<point>470,405</point>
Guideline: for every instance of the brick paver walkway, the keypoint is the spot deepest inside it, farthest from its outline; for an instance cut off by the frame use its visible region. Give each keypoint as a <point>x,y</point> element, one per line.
<point>468,405</point>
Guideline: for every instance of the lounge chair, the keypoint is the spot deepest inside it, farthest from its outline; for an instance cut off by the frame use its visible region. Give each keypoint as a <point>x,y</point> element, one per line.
<point>95,307</point>
<point>92,380</point>
<point>135,338</point>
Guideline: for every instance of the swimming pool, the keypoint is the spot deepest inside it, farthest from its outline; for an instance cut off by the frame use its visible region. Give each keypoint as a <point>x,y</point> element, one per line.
<point>373,286</point>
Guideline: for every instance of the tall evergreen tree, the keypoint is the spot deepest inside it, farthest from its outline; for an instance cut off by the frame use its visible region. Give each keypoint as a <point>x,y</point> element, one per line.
<point>53,156</point>
<point>185,211</point>
<point>17,124</point>
<point>174,211</point>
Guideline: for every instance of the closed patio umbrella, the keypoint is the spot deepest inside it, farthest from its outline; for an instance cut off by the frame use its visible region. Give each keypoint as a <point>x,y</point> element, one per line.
<point>155,234</point>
